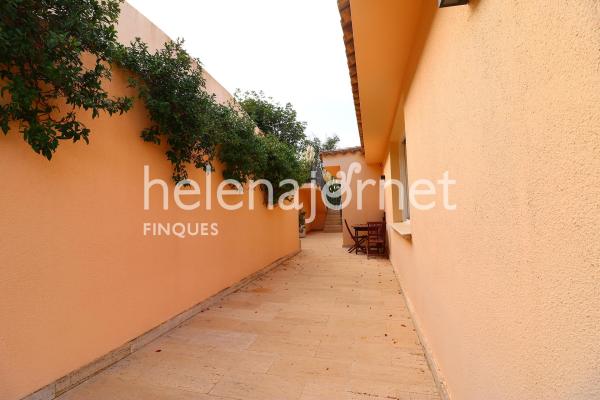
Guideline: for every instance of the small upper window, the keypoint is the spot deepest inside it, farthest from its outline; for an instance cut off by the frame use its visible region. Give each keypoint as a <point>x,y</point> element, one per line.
<point>404,180</point>
<point>399,182</point>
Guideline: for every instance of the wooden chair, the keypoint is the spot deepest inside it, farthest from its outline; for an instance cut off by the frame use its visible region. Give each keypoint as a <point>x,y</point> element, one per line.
<point>375,238</point>
<point>359,240</point>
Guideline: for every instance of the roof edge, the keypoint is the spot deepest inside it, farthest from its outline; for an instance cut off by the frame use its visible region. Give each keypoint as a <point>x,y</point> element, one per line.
<point>341,151</point>
<point>346,22</point>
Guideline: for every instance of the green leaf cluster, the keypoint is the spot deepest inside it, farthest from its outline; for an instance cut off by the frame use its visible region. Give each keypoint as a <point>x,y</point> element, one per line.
<point>280,121</point>
<point>42,68</point>
<point>198,129</point>
<point>317,146</point>
<point>172,87</point>
<point>282,143</point>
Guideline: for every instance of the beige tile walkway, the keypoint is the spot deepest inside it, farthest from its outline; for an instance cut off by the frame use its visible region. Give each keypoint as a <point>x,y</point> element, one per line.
<point>325,325</point>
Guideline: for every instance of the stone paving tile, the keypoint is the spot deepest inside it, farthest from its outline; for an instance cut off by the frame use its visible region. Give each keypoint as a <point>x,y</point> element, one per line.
<point>253,386</point>
<point>293,366</point>
<point>324,325</point>
<point>284,345</point>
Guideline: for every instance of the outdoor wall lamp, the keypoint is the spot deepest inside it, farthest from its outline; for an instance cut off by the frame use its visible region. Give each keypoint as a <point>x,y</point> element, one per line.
<point>452,3</point>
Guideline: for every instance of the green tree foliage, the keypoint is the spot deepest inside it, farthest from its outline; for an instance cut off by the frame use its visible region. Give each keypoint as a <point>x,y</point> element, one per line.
<point>330,143</point>
<point>197,128</point>
<point>274,119</point>
<point>283,162</point>
<point>248,155</point>
<point>241,149</point>
<point>284,141</point>
<point>42,44</point>
<point>172,87</point>
<point>317,146</point>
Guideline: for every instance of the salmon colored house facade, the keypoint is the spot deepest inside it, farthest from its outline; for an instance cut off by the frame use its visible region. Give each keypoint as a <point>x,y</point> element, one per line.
<point>505,97</point>
<point>341,160</point>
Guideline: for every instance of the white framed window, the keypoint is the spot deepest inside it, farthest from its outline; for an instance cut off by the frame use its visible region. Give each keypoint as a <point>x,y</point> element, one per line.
<point>399,182</point>
<point>404,203</point>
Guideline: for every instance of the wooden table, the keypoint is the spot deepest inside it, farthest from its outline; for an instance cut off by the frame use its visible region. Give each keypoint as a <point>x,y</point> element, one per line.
<point>360,228</point>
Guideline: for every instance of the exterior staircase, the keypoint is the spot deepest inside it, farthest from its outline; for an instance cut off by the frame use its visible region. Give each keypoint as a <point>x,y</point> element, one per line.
<point>333,221</point>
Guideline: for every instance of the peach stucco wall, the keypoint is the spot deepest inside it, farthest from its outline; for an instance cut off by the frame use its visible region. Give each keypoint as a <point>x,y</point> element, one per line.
<point>308,204</point>
<point>370,210</point>
<point>78,277</point>
<point>506,289</point>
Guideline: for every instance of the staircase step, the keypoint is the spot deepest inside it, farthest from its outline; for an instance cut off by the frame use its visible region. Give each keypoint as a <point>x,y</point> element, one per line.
<point>333,227</point>
<point>333,221</point>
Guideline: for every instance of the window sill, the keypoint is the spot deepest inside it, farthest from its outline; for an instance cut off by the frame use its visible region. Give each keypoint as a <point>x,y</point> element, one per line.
<point>403,228</point>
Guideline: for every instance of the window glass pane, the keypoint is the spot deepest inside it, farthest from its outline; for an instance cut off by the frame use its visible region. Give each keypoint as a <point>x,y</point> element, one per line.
<point>404,180</point>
